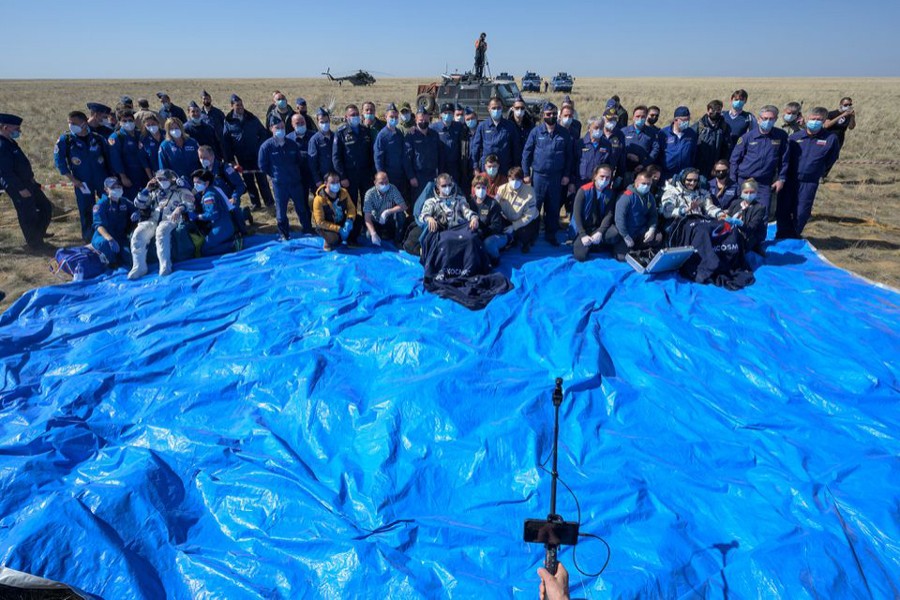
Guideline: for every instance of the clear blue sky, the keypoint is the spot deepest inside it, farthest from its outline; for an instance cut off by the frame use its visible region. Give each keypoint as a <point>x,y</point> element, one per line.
<point>230,39</point>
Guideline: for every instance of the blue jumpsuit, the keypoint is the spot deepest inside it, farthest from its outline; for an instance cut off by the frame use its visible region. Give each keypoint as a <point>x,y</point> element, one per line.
<point>126,158</point>
<point>643,143</point>
<point>390,157</point>
<point>220,238</point>
<point>592,153</point>
<point>115,217</point>
<point>205,135</point>
<point>548,157</point>
<point>811,156</point>
<point>321,161</point>
<point>173,111</point>
<point>229,181</point>
<point>149,147</point>
<point>283,164</point>
<point>450,155</point>
<point>676,153</point>
<point>500,138</point>
<point>183,160</point>
<point>354,160</point>
<point>422,152</point>
<point>241,139</point>
<point>86,159</point>
<point>764,157</point>
<point>738,125</point>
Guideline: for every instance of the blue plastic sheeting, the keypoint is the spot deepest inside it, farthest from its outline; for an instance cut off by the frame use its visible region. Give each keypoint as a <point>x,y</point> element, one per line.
<point>287,423</point>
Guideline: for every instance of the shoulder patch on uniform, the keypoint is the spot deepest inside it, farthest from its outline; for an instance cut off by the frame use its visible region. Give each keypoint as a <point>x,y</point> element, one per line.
<point>628,193</point>
<point>740,140</point>
<point>112,140</point>
<point>96,208</point>
<point>229,169</point>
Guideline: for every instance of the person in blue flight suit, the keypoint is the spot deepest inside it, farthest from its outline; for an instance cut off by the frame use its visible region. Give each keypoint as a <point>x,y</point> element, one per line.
<point>321,148</point>
<point>212,115</point>
<point>168,110</point>
<point>227,179</point>
<point>200,129</point>
<point>152,137</point>
<point>641,142</point>
<point>125,156</point>
<point>82,157</point>
<point>302,135</point>
<point>738,120</point>
<point>113,216</point>
<point>178,151</point>
<point>450,135</point>
<point>100,119</point>
<point>722,187</point>
<point>547,162</point>
<point>242,135</point>
<point>677,144</point>
<point>762,154</point>
<point>422,146</point>
<point>215,213</point>
<point>496,135</point>
<point>353,157</point>
<point>282,109</point>
<point>279,158</point>
<point>601,145</point>
<point>812,154</point>
<point>390,154</point>
<point>33,209</point>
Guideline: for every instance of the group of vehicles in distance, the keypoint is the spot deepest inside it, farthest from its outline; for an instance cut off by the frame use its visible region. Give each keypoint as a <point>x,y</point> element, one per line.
<point>561,82</point>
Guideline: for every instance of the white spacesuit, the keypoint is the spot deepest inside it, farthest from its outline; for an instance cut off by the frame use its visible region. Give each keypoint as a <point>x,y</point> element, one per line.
<point>161,207</point>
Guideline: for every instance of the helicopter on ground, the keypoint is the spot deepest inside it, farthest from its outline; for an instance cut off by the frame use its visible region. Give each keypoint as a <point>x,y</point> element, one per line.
<point>361,77</point>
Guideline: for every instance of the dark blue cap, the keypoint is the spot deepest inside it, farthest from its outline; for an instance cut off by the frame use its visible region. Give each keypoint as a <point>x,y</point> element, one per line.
<point>468,110</point>
<point>682,111</point>
<point>126,100</point>
<point>161,95</point>
<point>275,120</point>
<point>204,93</point>
<point>98,108</point>
<point>300,102</point>
<point>391,106</point>
<point>548,106</point>
<point>235,98</point>
<point>459,106</point>
<point>322,112</point>
<point>519,98</point>
<point>193,104</point>
<point>421,111</point>
<point>7,119</point>
<point>611,103</point>
<point>447,107</point>
<point>567,100</point>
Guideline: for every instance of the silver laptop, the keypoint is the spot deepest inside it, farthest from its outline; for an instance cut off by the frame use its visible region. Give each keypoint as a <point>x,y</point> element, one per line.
<point>667,259</point>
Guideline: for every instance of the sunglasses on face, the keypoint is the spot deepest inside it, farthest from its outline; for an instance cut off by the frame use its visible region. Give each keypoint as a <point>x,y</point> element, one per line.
<point>725,172</point>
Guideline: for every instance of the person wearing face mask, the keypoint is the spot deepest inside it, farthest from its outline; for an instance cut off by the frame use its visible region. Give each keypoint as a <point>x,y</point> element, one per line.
<point>521,118</point>
<point>214,217</point>
<point>813,152</point>
<point>653,119</point>
<point>302,109</point>
<point>446,209</point>
<point>334,214</point>
<point>385,212</point>
<point>279,158</point>
<point>519,209</point>
<point>212,115</point>
<point>353,156</point>
<point>321,148</point>
<point>162,207</point>
<point>142,113</point>
<point>422,147</point>
<point>713,137</point>
<point>390,153</point>
<point>99,120</point>
<point>762,153</point>
<point>635,220</point>
<point>302,135</point>
<point>593,214</point>
<point>242,135</point>
<point>841,120</point>
<point>112,216</point>
<point>568,117</point>
<point>601,145</point>
<point>495,177</point>
<point>281,108</point>
<point>641,143</point>
<point>490,219</point>
<point>83,157</point>
<point>548,159</point>
<point>201,130</point>
<point>407,122</point>
<point>168,110</point>
<point>151,139</point>
<point>683,196</point>
<point>496,135</point>
<point>370,119</point>
<point>227,179</point>
<point>450,134</point>
<point>722,188</point>
<point>739,121</point>
<point>677,144</point>
<point>470,125</point>
<point>125,156</point>
<point>178,151</point>
<point>750,217</point>
<point>33,209</point>
<point>792,118</point>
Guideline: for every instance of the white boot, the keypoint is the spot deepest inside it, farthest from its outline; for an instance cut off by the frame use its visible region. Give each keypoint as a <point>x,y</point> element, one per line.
<point>164,247</point>
<point>139,241</point>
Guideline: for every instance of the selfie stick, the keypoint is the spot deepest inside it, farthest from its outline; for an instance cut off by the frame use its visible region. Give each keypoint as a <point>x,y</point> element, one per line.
<point>550,562</point>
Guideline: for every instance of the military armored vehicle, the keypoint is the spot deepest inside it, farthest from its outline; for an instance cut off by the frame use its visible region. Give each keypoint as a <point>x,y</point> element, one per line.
<point>531,82</point>
<point>562,82</point>
<point>468,90</point>
<point>504,76</point>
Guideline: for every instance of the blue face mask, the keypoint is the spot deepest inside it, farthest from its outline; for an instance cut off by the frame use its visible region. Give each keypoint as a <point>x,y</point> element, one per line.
<point>737,104</point>
<point>392,121</point>
<point>642,189</point>
<point>354,121</point>
<point>334,188</point>
<point>639,123</point>
<point>16,134</point>
<point>279,133</point>
<point>496,114</point>
<point>596,134</point>
<point>446,117</point>
<point>471,123</point>
<point>492,171</point>
<point>301,131</point>
<point>326,127</point>
<point>282,104</point>
<point>814,126</point>
<point>766,125</point>
<point>384,188</point>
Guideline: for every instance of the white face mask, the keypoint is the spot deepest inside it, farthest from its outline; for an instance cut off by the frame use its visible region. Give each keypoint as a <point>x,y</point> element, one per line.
<point>128,126</point>
<point>480,193</point>
<point>516,184</point>
<point>446,190</point>
<point>115,193</point>
<point>175,133</point>
<point>165,184</point>
<point>519,112</point>
<point>205,163</point>
<point>152,129</point>
<point>200,187</point>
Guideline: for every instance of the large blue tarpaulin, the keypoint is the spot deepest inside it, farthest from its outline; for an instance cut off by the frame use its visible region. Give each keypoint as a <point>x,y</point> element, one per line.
<point>288,423</point>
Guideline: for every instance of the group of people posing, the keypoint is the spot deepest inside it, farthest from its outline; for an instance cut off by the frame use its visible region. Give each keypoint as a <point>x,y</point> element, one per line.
<point>178,177</point>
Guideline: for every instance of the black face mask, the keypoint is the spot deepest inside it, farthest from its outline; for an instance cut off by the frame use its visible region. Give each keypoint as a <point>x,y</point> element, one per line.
<point>550,120</point>
<point>721,175</point>
<point>652,120</point>
<point>713,117</point>
<point>422,126</point>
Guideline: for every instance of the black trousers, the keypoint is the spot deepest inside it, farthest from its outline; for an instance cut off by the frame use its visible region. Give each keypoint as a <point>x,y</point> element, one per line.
<point>257,186</point>
<point>34,213</point>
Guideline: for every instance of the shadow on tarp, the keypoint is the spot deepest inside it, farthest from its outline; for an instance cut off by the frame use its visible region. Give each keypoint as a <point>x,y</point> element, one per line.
<point>284,422</point>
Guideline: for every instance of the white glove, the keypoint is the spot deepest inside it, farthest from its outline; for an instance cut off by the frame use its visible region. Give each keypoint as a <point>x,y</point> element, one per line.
<point>586,240</point>
<point>384,217</point>
<point>375,239</point>
<point>597,237</point>
<point>651,233</point>
<point>629,241</point>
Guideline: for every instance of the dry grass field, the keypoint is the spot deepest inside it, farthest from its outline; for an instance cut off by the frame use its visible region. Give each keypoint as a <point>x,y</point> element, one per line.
<point>856,221</point>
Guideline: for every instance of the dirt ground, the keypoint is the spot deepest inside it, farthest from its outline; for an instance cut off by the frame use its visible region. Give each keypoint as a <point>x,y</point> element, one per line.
<point>855,223</point>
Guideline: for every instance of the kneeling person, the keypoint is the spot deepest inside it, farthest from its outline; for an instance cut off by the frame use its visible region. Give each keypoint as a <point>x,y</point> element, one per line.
<point>636,218</point>
<point>490,219</point>
<point>594,212</point>
<point>113,215</point>
<point>751,214</point>
<point>334,213</point>
<point>385,211</point>
<point>218,235</point>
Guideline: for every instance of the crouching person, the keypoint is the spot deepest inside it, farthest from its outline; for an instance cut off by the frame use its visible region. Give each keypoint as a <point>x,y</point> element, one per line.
<point>334,213</point>
<point>750,216</point>
<point>162,206</point>
<point>113,215</point>
<point>215,219</point>
<point>593,214</point>
<point>635,220</point>
<point>385,212</point>
<point>490,219</point>
<point>519,207</point>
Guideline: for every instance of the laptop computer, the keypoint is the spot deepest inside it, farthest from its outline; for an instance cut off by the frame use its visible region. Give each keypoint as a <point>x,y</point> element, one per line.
<point>650,263</point>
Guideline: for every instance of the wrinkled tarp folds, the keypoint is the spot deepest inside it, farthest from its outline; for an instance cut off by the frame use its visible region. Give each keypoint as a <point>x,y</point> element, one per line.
<point>286,423</point>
